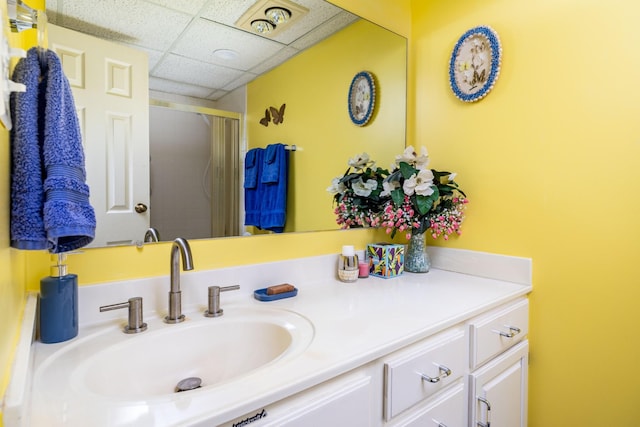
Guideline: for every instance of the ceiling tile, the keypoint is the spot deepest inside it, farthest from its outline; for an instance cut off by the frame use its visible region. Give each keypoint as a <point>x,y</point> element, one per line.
<point>154,56</point>
<point>274,60</point>
<point>180,36</point>
<point>174,67</point>
<point>320,33</point>
<point>319,11</point>
<point>128,21</point>
<point>190,6</point>
<point>216,95</point>
<point>226,11</point>
<point>204,37</point>
<point>242,80</point>
<point>178,88</point>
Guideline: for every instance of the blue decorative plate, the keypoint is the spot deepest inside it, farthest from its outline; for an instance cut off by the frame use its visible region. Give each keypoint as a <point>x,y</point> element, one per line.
<point>362,98</point>
<point>475,64</point>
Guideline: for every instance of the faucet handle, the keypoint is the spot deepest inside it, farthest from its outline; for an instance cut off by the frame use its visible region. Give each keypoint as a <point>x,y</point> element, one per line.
<point>136,323</point>
<point>214,299</point>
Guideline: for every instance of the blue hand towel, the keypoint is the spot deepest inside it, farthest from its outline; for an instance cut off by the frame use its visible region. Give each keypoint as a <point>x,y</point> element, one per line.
<point>253,188</point>
<point>275,173</point>
<point>50,199</point>
<point>271,165</point>
<point>251,168</point>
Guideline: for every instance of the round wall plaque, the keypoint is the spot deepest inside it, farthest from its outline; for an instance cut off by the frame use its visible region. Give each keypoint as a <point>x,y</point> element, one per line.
<point>362,98</point>
<point>475,63</point>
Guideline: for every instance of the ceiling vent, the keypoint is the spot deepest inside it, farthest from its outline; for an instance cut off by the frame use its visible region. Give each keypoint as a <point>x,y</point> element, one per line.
<point>270,17</point>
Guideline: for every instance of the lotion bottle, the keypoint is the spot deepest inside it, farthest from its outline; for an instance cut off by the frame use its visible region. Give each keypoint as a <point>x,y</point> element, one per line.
<point>58,304</point>
<point>348,265</point>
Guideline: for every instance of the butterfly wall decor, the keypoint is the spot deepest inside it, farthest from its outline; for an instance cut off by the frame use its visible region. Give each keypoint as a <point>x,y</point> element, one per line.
<point>273,114</point>
<point>266,119</point>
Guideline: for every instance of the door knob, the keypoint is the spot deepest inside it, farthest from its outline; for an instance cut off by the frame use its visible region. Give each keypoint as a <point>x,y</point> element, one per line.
<point>141,208</point>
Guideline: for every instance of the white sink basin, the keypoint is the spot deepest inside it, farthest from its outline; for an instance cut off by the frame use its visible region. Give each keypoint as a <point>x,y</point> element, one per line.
<point>150,364</point>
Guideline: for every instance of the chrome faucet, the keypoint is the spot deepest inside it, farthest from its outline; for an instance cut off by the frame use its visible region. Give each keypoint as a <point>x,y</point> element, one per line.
<point>175,302</point>
<point>151,235</point>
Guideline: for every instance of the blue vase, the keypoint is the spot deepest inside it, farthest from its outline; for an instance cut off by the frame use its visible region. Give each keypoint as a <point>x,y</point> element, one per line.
<point>417,260</point>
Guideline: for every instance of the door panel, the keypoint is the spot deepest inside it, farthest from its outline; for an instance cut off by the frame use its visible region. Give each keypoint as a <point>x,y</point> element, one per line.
<point>110,87</point>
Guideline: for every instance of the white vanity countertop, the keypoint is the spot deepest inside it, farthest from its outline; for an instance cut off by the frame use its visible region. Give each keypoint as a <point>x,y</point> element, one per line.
<point>354,323</point>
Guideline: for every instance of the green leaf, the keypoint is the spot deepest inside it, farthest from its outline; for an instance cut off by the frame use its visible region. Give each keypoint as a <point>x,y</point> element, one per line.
<point>407,170</point>
<point>349,177</point>
<point>397,196</point>
<point>395,176</point>
<point>424,203</point>
<point>440,173</point>
<point>445,190</point>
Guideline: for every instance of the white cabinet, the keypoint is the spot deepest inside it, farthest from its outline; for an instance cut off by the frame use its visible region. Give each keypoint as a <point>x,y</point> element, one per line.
<point>499,390</point>
<point>499,351</point>
<point>471,374</point>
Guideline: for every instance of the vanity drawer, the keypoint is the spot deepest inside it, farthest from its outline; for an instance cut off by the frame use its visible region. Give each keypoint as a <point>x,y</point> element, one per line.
<point>422,370</point>
<point>497,331</point>
<point>446,409</point>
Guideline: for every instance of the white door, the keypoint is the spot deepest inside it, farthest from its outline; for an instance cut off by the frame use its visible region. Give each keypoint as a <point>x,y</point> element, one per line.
<point>110,87</point>
<point>499,390</point>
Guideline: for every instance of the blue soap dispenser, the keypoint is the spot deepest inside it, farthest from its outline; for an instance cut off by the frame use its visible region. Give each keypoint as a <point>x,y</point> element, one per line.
<point>58,304</point>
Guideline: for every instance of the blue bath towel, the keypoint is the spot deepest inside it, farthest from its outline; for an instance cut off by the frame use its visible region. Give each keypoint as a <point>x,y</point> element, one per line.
<point>50,206</point>
<point>274,178</point>
<point>252,186</point>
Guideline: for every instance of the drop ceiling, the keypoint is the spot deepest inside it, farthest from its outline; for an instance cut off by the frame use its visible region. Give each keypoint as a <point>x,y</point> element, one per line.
<point>181,36</point>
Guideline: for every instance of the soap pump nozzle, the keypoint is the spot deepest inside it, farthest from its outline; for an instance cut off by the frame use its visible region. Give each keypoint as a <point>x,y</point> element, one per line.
<point>60,268</point>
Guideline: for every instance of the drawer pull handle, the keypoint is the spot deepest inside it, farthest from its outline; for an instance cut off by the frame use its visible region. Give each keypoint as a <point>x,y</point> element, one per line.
<point>442,370</point>
<point>486,402</point>
<point>513,331</point>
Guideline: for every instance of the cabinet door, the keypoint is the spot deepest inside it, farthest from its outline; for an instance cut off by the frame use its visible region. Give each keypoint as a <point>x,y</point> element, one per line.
<point>499,390</point>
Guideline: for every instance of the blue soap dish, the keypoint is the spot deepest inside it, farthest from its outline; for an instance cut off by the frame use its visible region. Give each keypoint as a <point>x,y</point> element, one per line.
<point>261,295</point>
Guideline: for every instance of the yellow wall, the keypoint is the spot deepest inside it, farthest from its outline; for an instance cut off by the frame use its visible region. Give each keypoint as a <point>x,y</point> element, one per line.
<point>550,162</point>
<point>317,119</point>
<point>12,262</point>
<point>12,291</point>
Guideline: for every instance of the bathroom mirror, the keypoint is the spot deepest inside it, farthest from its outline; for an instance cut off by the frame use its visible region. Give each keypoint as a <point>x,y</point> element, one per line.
<point>313,82</point>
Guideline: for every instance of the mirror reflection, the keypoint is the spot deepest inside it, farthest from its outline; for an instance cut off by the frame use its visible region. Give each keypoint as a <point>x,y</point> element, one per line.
<point>191,89</point>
